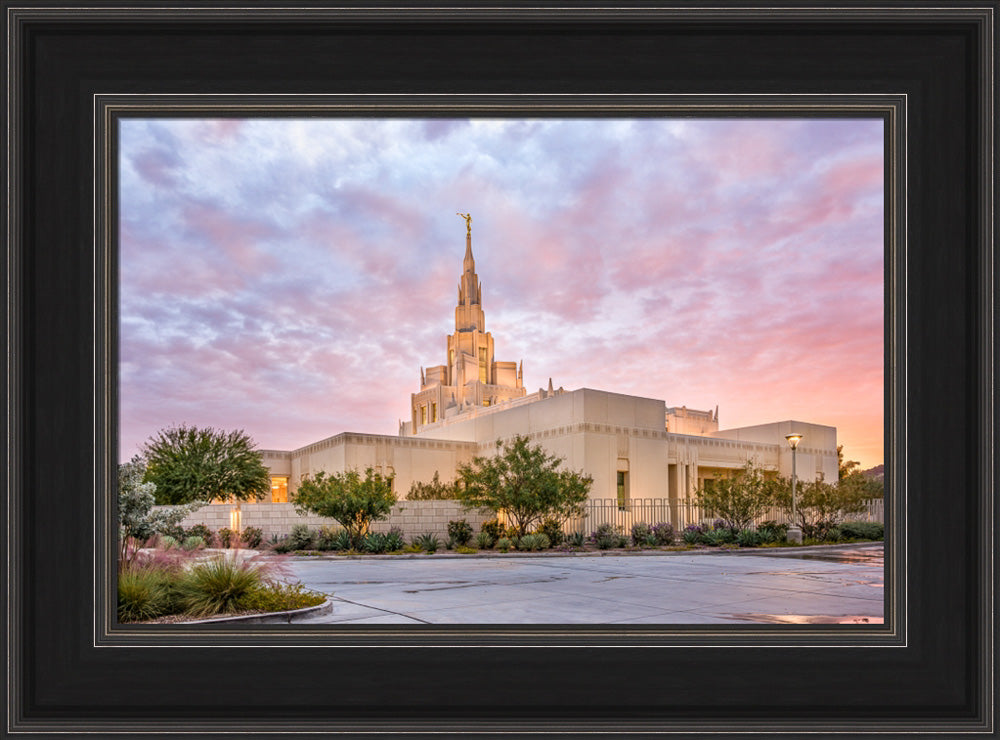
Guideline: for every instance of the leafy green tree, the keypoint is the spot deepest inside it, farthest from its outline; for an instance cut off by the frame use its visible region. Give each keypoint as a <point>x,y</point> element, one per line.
<point>435,490</point>
<point>845,467</point>
<point>137,521</point>
<point>189,464</point>
<point>738,499</point>
<point>348,498</point>
<point>820,506</point>
<point>525,483</point>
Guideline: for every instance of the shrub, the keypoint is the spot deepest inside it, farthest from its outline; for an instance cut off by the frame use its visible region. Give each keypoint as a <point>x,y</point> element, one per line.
<point>226,537</point>
<point>253,536</point>
<point>282,546</point>
<point>193,543</point>
<point>694,534</point>
<point>663,533</point>
<point>375,542</point>
<point>862,530</point>
<point>504,544</point>
<point>525,482</point>
<point>716,537</point>
<point>353,499</point>
<point>576,539</point>
<point>434,491</point>
<point>552,528</point>
<point>749,538</point>
<point>427,542</point>
<point>484,540</point>
<point>216,586</point>
<point>394,539</point>
<point>770,531</point>
<point>465,550</point>
<point>640,531</point>
<point>833,534</point>
<point>167,542</point>
<point>300,538</point>
<point>324,538</point>
<point>279,597</point>
<point>493,528</point>
<point>607,536</point>
<point>533,542</point>
<point>143,593</point>
<point>459,532</point>
<point>200,530</point>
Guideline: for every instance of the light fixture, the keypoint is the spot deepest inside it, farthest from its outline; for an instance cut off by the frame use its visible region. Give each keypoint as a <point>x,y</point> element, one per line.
<point>794,531</point>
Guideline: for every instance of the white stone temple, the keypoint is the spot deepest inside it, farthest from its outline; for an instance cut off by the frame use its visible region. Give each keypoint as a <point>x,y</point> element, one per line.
<point>633,447</point>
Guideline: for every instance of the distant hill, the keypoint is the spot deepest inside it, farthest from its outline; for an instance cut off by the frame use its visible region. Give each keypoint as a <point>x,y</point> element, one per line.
<point>877,473</point>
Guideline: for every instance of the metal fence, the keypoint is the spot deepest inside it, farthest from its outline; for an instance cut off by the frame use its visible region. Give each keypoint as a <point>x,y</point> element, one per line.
<point>679,513</point>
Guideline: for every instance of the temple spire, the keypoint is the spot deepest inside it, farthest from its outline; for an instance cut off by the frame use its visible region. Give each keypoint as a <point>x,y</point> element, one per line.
<point>469,264</point>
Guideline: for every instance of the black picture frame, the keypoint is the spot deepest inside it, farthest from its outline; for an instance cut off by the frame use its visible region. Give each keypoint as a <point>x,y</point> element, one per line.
<point>72,670</point>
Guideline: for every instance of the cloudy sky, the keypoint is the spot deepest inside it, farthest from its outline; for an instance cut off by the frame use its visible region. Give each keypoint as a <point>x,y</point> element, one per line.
<point>290,277</point>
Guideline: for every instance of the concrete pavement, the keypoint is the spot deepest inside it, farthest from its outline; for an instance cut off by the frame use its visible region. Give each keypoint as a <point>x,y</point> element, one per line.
<point>816,585</point>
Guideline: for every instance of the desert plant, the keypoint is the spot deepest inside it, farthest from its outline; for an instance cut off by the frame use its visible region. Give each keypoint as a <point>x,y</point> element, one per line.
<point>143,593</point>
<point>375,542</point>
<point>493,528</point>
<point>749,538</point>
<point>553,529</point>
<point>226,536</point>
<point>300,538</point>
<point>533,542</point>
<point>394,539</point>
<point>216,586</point>
<point>253,536</point>
<point>137,521</point>
<point>576,539</point>
<point>663,533</point>
<point>459,532</point>
<point>427,542</point>
<point>833,534</point>
<point>770,531</point>
<point>608,536</point>
<point>167,542</point>
<point>504,544</point>
<point>640,532</point>
<point>721,536</point>
<point>193,543</point>
<point>278,597</point>
<point>484,540</point>
<point>694,534</point>
<point>200,530</point>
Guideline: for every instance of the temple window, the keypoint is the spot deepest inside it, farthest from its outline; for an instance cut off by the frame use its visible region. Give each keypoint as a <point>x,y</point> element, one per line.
<point>434,412</point>
<point>622,490</point>
<point>279,489</point>
<point>423,415</point>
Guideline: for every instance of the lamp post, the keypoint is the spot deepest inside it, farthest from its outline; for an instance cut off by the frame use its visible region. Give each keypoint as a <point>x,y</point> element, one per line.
<point>794,531</point>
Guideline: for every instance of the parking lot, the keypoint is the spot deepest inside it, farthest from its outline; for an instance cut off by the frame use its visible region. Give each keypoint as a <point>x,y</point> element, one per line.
<point>842,585</point>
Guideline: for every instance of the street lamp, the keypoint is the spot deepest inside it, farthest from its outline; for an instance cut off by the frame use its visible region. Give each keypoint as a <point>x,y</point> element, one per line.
<point>794,531</point>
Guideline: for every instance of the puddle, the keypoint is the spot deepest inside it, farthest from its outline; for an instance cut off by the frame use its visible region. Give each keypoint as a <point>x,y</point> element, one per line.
<point>807,619</point>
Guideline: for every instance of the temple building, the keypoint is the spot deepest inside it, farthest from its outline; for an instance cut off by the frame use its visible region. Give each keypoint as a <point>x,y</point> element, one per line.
<point>633,447</point>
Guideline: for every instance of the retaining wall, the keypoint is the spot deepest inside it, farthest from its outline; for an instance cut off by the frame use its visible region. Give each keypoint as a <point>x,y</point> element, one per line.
<point>413,517</point>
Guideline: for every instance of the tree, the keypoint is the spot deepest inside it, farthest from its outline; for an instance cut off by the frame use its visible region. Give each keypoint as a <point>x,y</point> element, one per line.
<point>844,467</point>
<point>137,521</point>
<point>738,499</point>
<point>189,464</point>
<point>525,483</point>
<point>435,490</point>
<point>348,498</point>
<point>820,506</point>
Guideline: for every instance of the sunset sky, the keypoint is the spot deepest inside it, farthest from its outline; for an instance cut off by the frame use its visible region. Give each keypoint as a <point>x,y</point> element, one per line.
<point>291,277</point>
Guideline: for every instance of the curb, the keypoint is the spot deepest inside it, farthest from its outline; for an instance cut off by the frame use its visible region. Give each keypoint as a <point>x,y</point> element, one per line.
<point>285,617</point>
<point>585,554</point>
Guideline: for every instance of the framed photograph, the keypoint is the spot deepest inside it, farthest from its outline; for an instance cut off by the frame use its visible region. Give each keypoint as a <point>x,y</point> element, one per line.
<point>99,294</point>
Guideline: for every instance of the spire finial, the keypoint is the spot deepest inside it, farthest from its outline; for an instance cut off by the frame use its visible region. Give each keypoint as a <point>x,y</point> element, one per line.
<point>468,222</point>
